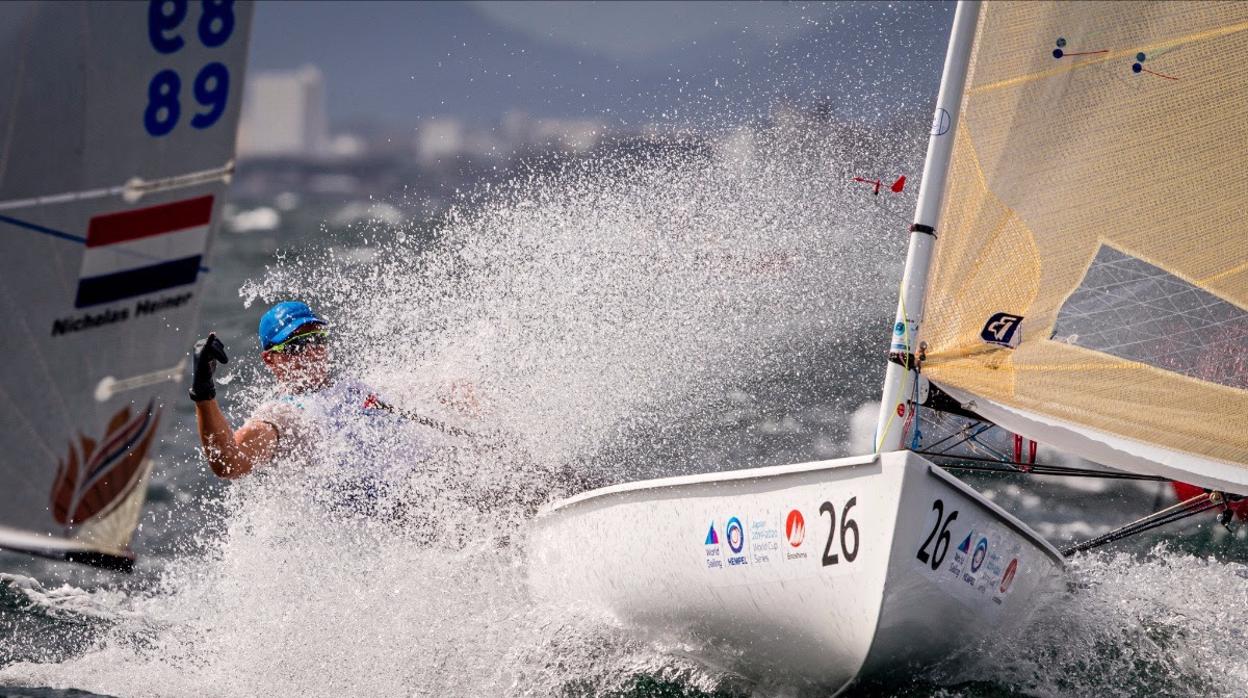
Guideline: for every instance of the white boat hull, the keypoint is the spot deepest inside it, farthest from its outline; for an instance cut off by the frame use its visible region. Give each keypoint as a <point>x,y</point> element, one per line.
<point>874,581</point>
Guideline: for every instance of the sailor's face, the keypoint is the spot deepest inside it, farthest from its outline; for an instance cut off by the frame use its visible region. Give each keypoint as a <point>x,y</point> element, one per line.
<point>303,368</point>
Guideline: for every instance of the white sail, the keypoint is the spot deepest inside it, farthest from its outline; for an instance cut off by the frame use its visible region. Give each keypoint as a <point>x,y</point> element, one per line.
<point>1089,287</point>
<point>117,134</point>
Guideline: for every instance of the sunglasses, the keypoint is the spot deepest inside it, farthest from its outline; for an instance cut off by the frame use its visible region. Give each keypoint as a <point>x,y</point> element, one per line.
<point>297,344</point>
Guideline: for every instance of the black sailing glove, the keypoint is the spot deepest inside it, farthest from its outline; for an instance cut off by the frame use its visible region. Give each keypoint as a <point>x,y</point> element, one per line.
<point>204,360</point>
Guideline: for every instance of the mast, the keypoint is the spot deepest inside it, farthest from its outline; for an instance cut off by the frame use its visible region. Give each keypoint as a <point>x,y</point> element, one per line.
<point>899,380</point>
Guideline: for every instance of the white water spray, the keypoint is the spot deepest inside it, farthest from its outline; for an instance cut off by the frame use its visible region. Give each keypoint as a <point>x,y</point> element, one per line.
<point>600,311</point>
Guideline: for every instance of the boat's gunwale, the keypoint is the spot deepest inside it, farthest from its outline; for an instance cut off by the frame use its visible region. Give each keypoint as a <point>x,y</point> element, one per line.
<point>771,471</point>
<point>721,476</point>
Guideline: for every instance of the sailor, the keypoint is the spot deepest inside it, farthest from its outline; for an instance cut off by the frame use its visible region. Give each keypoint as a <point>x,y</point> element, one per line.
<point>312,411</point>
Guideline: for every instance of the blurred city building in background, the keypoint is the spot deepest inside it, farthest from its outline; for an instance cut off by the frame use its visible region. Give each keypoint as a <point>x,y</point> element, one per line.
<point>284,114</point>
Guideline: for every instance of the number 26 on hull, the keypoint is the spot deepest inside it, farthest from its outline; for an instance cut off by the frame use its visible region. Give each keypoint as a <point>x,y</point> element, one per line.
<point>848,526</point>
<point>940,533</point>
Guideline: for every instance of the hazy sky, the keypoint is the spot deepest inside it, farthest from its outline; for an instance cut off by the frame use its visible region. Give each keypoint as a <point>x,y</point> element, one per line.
<point>400,63</point>
<point>631,30</point>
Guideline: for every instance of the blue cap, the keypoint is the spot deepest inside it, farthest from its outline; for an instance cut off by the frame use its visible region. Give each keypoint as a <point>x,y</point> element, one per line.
<point>283,319</point>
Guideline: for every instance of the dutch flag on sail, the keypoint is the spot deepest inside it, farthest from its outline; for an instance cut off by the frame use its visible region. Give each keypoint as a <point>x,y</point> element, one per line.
<point>132,253</point>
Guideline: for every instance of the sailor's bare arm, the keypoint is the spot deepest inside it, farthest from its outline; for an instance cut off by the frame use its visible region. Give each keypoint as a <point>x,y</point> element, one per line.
<point>230,453</point>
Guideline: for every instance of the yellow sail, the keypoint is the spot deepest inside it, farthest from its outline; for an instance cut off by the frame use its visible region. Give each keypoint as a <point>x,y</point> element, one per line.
<point>1090,284</point>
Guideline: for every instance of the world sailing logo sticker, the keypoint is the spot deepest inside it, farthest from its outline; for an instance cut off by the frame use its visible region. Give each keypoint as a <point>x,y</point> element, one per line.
<point>712,538</point>
<point>1002,329</point>
<point>134,253</point>
<point>98,476</point>
<point>965,546</point>
<point>714,554</point>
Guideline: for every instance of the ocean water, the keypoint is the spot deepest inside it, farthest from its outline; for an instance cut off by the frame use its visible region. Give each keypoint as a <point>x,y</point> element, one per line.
<point>615,318</point>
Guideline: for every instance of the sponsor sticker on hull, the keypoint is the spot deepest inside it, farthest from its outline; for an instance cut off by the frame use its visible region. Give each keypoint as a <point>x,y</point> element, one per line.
<point>795,534</point>
<point>764,540</point>
<point>827,536</point>
<point>1007,579</point>
<point>980,567</point>
<point>714,553</point>
<point>735,533</point>
<point>981,551</point>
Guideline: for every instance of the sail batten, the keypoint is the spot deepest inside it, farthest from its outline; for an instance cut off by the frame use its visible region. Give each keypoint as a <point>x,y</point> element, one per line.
<point>1090,284</point>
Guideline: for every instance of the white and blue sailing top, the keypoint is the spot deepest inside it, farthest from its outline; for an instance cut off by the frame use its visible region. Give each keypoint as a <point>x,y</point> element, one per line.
<point>350,444</point>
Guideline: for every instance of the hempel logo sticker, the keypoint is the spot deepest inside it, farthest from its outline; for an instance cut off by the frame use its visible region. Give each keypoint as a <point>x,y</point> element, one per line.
<point>981,550</point>
<point>735,533</point>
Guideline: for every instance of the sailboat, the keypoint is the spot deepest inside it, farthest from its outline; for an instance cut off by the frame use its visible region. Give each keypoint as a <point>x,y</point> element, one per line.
<point>117,135</point>
<point>1077,276</point>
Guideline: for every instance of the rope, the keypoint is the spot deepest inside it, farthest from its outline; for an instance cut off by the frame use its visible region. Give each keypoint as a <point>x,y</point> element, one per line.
<point>485,441</point>
<point>425,421</point>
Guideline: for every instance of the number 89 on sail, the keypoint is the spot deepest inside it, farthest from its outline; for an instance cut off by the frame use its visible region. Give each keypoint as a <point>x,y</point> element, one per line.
<point>211,86</point>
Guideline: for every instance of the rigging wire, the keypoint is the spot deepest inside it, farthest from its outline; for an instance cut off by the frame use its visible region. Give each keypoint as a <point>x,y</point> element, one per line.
<point>1004,465</point>
<point>1011,467</point>
<point>968,432</point>
<point>1189,507</point>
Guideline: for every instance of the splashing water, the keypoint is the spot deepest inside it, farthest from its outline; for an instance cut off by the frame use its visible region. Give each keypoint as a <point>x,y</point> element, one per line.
<point>589,307</point>
<point>619,298</point>
<point>1167,624</point>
